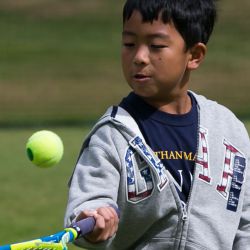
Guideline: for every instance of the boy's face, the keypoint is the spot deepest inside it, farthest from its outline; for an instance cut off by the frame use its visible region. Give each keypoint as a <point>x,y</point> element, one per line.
<point>154,59</point>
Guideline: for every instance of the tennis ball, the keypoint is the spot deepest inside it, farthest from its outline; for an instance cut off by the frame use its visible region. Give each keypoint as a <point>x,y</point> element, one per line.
<point>44,148</point>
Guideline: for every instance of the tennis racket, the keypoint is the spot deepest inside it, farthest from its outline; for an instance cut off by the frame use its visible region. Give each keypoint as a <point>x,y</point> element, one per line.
<point>57,241</point>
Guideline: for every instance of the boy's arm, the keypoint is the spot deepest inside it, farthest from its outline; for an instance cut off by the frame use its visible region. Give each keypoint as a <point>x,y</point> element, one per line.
<point>242,239</point>
<point>95,183</point>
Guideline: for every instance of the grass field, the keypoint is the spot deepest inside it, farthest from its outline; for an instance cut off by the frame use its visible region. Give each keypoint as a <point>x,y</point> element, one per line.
<point>33,200</point>
<point>60,60</point>
<point>59,64</point>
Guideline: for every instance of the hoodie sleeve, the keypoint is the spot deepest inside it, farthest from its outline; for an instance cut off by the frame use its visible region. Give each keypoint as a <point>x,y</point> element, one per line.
<point>242,239</point>
<point>95,180</point>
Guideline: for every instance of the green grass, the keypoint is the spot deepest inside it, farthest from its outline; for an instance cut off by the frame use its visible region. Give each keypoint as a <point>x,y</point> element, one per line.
<point>60,60</point>
<point>33,200</point>
<point>56,66</point>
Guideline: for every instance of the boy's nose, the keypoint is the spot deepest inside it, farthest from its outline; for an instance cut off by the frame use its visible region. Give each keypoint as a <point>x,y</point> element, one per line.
<point>141,56</point>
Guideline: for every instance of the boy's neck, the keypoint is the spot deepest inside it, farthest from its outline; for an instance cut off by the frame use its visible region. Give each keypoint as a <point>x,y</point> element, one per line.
<point>177,106</point>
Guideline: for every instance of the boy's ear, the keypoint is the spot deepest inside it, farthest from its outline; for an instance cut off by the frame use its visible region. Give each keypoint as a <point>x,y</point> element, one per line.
<point>197,55</point>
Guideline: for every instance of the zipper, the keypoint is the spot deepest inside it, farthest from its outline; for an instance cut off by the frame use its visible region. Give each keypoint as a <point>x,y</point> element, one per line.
<point>195,168</point>
<point>182,221</point>
<point>184,212</point>
<point>185,206</point>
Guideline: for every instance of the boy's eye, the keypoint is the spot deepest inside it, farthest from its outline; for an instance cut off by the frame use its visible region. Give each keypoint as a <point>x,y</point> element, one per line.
<point>128,45</point>
<point>158,46</point>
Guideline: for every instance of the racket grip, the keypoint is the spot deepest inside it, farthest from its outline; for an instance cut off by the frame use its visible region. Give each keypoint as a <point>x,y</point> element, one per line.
<point>87,225</point>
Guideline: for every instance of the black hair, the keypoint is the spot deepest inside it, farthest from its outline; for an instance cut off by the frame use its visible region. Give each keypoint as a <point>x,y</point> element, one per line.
<point>194,19</point>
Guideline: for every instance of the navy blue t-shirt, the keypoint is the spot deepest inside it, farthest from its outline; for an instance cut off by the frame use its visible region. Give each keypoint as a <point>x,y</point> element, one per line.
<point>173,138</point>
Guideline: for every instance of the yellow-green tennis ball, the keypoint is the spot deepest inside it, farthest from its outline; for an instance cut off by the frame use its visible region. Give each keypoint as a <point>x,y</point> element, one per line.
<point>44,148</point>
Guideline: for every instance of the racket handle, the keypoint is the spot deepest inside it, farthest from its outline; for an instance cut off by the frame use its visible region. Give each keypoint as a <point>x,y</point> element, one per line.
<point>87,225</point>
<point>84,226</point>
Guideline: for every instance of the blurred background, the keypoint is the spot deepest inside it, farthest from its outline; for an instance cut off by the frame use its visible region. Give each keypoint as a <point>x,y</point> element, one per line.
<point>60,70</point>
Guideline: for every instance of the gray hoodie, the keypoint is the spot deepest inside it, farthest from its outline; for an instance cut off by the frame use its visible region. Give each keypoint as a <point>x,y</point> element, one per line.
<point>117,167</point>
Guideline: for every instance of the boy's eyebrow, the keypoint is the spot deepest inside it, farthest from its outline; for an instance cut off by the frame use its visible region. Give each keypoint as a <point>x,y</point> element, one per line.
<point>154,35</point>
<point>128,33</point>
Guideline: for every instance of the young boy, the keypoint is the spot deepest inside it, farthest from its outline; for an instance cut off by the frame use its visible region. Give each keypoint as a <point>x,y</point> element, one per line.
<point>173,162</point>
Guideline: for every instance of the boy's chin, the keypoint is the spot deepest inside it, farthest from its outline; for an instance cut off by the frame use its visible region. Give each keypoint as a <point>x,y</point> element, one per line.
<point>146,90</point>
<point>146,94</point>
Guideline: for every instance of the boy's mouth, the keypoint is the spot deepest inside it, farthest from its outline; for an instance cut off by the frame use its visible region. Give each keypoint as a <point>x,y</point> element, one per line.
<point>141,77</point>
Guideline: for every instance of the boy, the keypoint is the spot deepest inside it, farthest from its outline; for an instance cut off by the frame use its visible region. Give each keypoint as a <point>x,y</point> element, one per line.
<point>173,162</point>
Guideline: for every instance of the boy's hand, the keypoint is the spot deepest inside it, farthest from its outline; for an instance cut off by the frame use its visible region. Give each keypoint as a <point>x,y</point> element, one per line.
<point>106,223</point>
